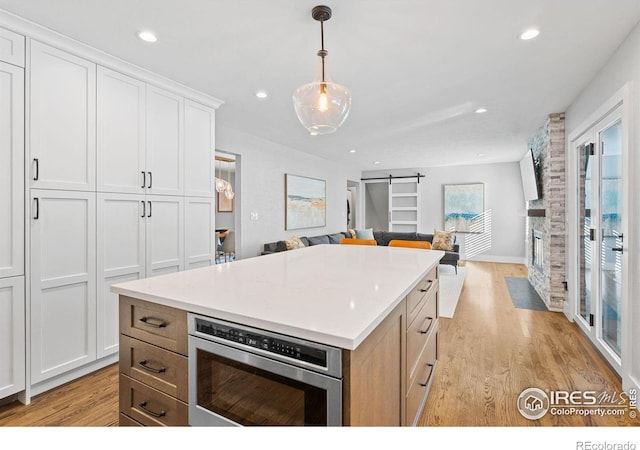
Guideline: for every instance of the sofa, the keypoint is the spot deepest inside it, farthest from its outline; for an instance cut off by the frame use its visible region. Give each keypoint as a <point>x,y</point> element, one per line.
<point>382,238</point>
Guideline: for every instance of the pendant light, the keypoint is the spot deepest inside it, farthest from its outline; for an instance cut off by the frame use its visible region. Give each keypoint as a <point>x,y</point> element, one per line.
<point>322,106</point>
<point>220,183</point>
<point>228,190</point>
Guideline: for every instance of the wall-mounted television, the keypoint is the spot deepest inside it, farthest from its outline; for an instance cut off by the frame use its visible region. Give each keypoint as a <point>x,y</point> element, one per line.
<point>529,172</point>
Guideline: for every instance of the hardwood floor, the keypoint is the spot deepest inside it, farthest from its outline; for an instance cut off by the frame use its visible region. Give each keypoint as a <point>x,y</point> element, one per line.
<point>89,401</point>
<point>489,353</point>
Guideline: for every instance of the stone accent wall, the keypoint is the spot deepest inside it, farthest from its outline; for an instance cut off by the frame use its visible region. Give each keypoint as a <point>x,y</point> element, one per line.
<point>548,145</point>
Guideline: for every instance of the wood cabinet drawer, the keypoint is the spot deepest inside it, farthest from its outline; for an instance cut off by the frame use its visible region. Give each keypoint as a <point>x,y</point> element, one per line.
<point>149,406</point>
<point>161,369</point>
<point>156,324</point>
<point>126,421</point>
<point>419,388</point>
<point>420,330</point>
<point>417,295</point>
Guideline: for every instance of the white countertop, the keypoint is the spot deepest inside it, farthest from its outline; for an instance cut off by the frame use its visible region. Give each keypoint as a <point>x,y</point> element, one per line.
<point>332,294</point>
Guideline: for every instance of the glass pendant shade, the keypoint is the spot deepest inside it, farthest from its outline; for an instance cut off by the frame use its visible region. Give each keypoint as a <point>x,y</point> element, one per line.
<point>229,193</point>
<point>322,106</point>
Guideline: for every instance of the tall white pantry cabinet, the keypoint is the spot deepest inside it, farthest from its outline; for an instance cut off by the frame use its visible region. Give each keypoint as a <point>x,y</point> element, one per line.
<point>119,186</point>
<point>12,299</point>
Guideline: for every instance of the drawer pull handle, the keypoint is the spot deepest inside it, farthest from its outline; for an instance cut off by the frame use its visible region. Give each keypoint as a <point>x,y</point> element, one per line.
<point>430,319</point>
<point>149,321</point>
<point>426,383</point>
<point>143,405</point>
<point>143,364</point>
<point>428,286</point>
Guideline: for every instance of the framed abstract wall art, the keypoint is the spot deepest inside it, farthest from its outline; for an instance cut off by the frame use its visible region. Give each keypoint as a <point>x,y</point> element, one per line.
<point>305,202</point>
<point>464,207</point>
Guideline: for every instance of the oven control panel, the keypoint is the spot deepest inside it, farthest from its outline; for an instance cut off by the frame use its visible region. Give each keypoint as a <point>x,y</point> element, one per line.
<point>264,342</point>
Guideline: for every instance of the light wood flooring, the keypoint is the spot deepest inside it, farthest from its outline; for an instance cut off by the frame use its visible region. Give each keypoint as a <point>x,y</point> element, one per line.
<point>489,352</point>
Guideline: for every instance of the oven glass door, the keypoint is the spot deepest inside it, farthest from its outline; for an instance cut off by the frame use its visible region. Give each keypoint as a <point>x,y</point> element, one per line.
<point>247,389</point>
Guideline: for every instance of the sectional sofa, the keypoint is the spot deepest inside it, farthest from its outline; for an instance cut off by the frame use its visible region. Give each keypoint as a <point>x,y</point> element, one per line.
<point>382,238</point>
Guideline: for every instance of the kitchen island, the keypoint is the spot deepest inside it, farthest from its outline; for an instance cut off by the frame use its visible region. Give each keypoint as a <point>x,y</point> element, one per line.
<point>378,305</point>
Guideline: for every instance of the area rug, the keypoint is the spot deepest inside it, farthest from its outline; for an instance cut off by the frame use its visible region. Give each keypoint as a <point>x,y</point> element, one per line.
<point>523,295</point>
<point>450,288</point>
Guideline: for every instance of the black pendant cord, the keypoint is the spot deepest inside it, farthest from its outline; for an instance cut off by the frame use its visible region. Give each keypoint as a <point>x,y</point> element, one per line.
<point>322,53</point>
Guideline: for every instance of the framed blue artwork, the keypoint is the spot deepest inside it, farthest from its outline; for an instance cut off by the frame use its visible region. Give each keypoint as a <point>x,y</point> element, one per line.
<point>464,207</point>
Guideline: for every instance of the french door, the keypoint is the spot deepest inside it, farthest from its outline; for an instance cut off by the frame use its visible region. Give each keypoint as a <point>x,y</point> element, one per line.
<point>602,219</point>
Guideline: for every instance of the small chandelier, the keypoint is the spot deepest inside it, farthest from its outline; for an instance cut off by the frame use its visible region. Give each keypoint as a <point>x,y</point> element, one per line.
<point>220,183</point>
<point>322,106</point>
<point>228,190</point>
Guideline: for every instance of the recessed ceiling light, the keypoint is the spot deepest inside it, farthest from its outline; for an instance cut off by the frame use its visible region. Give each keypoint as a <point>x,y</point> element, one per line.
<point>352,151</point>
<point>529,34</point>
<point>376,162</point>
<point>481,110</point>
<point>261,94</point>
<point>480,155</point>
<point>147,36</point>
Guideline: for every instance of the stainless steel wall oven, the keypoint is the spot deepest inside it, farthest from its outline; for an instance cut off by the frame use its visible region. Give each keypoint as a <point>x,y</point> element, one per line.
<point>240,375</point>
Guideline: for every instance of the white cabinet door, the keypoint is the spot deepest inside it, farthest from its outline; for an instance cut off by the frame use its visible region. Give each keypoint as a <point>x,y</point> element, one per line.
<point>164,234</point>
<point>120,133</point>
<point>120,257</point>
<point>11,170</point>
<point>63,281</point>
<point>165,154</point>
<point>12,336</point>
<point>199,150</point>
<point>199,232</point>
<point>11,47</point>
<point>63,112</point>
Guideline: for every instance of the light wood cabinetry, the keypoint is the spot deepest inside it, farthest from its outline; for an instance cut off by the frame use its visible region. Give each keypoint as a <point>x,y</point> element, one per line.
<point>12,336</point>
<point>387,378</point>
<point>421,343</point>
<point>153,364</point>
<point>11,47</point>
<point>63,120</point>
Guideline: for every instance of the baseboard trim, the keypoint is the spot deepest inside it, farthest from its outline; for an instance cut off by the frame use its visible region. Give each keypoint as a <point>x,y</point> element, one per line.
<point>497,259</point>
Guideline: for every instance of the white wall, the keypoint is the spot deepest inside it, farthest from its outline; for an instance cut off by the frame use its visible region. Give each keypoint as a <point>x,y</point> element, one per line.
<point>503,197</point>
<point>260,188</point>
<point>624,66</point>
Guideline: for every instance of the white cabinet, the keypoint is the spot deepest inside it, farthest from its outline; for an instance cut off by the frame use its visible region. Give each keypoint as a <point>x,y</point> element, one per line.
<point>165,146</point>
<point>63,281</point>
<point>63,111</point>
<point>11,47</point>
<point>199,232</point>
<point>121,220</point>
<point>138,236</point>
<point>11,170</point>
<point>12,336</point>
<point>164,234</point>
<point>120,133</point>
<point>199,132</point>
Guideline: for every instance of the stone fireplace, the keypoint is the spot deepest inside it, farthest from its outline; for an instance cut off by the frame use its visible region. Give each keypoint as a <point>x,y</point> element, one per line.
<point>545,232</point>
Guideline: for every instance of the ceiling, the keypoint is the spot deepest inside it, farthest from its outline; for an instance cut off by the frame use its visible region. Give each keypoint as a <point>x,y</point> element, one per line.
<point>417,69</point>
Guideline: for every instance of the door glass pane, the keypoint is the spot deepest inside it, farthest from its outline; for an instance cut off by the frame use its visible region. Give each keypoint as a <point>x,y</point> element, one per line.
<point>585,225</point>
<point>377,206</point>
<point>611,244</point>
